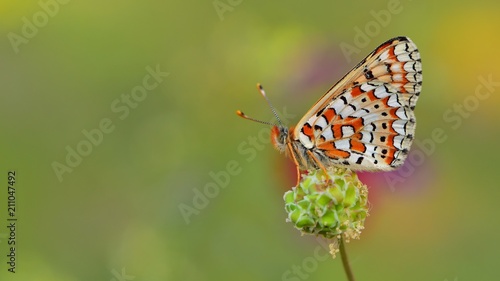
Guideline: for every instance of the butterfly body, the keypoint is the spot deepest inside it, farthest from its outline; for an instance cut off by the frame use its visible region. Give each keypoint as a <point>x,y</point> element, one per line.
<point>366,120</point>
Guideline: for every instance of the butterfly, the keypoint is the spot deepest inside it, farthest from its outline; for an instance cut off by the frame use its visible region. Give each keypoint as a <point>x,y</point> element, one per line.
<point>364,122</point>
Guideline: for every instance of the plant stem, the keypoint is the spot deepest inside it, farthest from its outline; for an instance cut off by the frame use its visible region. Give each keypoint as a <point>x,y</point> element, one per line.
<point>345,260</point>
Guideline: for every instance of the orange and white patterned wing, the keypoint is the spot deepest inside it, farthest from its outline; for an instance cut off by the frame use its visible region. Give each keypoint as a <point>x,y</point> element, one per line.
<point>366,120</point>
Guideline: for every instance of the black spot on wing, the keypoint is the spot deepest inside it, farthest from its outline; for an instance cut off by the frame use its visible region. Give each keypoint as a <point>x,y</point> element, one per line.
<point>320,112</point>
<point>369,74</point>
<point>360,160</point>
<point>388,67</point>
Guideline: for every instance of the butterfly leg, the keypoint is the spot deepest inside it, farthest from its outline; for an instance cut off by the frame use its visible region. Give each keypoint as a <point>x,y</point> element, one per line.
<point>290,149</point>
<point>321,166</point>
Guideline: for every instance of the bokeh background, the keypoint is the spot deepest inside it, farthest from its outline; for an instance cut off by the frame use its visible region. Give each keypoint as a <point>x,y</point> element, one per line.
<point>131,209</point>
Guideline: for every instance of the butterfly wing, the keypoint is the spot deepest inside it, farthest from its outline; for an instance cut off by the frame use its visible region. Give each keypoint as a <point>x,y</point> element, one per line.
<point>366,120</point>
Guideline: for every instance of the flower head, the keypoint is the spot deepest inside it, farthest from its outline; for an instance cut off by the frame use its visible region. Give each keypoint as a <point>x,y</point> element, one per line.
<point>332,204</point>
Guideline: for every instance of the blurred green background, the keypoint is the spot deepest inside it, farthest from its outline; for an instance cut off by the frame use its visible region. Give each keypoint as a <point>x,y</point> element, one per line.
<point>130,208</point>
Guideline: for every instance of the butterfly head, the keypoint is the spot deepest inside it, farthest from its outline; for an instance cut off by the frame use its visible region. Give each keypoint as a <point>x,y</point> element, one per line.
<point>279,135</point>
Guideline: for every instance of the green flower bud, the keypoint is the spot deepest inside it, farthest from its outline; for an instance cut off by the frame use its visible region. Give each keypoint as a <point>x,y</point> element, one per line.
<point>331,205</point>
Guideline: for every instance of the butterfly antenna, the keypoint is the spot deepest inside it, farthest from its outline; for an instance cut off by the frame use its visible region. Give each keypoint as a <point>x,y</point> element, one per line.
<point>261,90</point>
<point>244,116</point>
